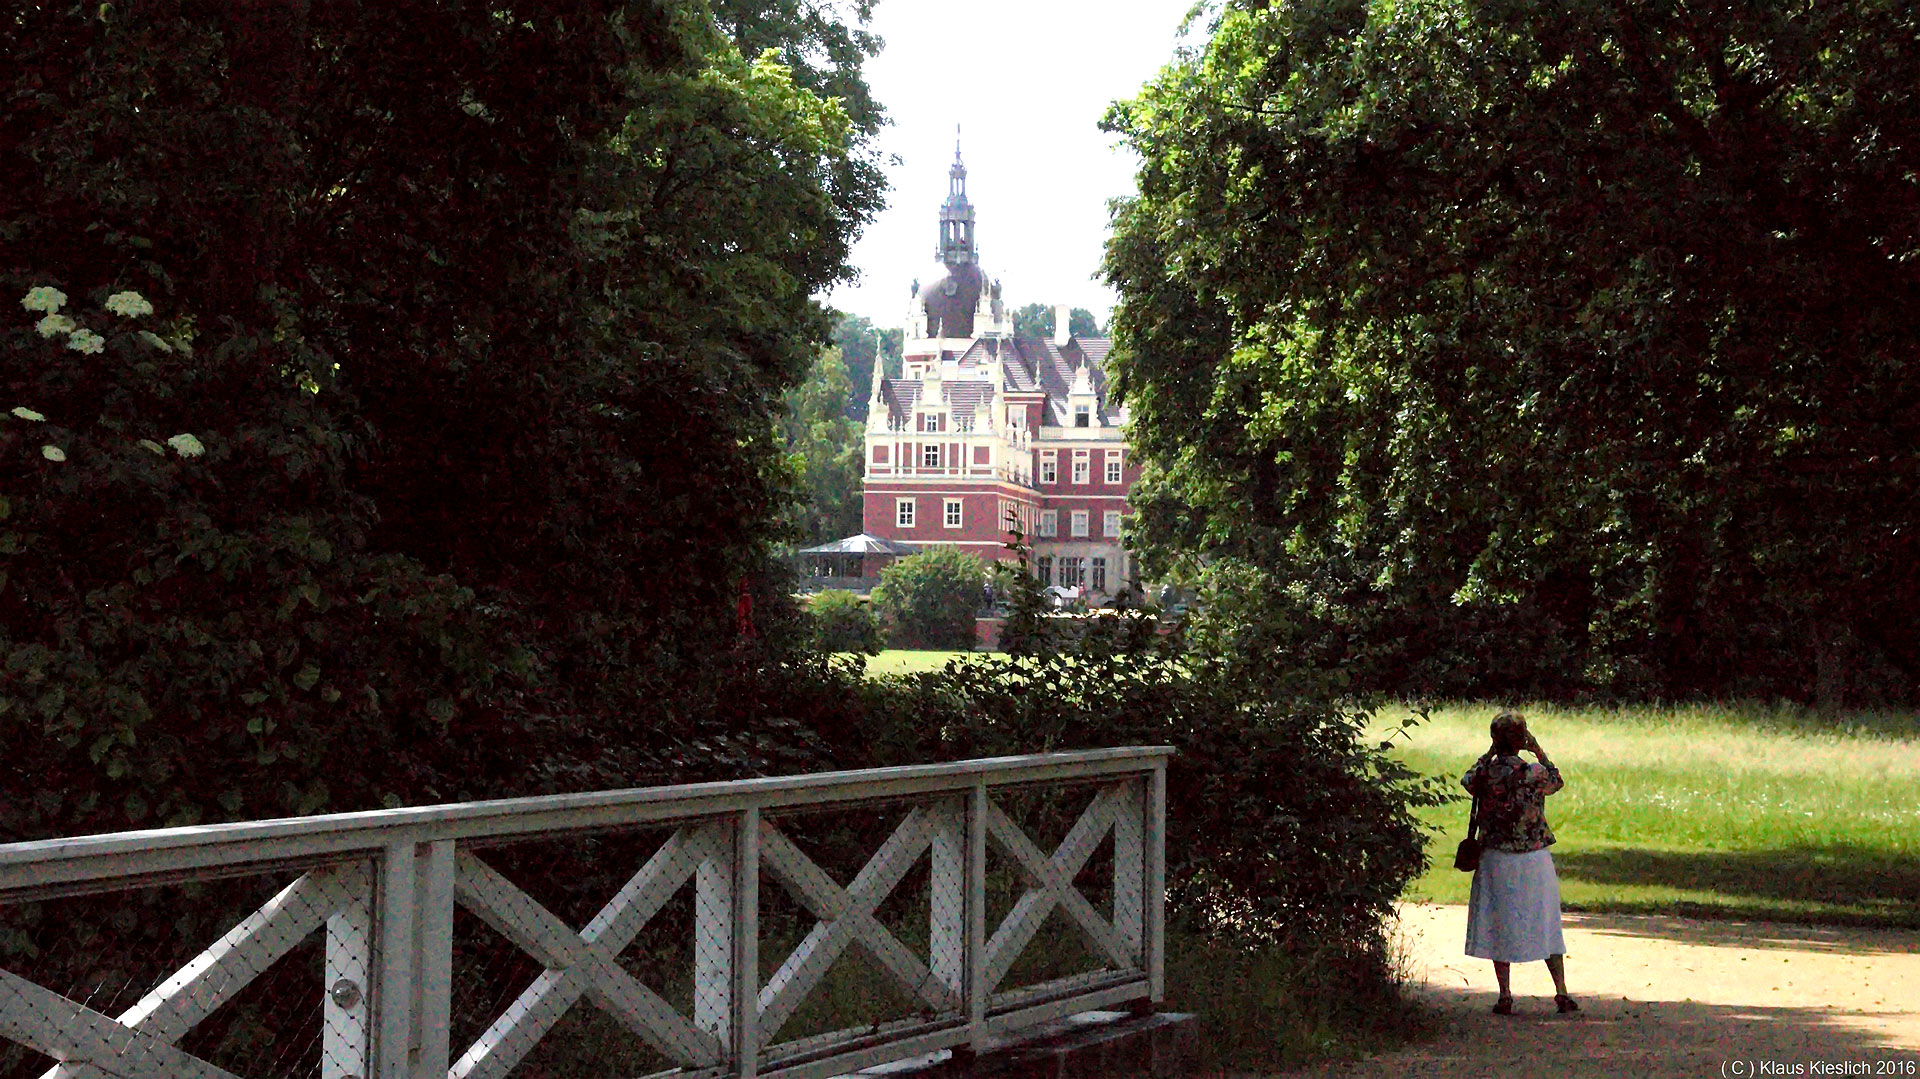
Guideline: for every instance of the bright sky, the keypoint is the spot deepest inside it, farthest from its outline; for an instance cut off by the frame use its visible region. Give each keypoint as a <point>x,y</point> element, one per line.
<point>1027,81</point>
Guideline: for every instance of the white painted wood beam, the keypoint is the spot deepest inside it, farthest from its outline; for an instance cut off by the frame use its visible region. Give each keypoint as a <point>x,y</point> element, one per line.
<point>46,1022</point>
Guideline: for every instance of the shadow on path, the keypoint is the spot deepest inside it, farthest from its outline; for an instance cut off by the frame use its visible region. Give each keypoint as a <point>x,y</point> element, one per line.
<point>1664,996</point>
<point>1752,934</point>
<point>1614,1037</point>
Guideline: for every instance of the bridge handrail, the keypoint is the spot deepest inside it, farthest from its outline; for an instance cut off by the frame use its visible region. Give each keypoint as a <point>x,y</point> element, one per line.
<point>49,866</point>
<point>382,887</point>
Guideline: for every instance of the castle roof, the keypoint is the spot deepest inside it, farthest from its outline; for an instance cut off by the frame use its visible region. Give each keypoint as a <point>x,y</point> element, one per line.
<point>1025,365</point>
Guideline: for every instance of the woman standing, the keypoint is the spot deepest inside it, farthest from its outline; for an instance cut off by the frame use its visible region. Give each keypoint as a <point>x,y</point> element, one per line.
<point>1514,913</point>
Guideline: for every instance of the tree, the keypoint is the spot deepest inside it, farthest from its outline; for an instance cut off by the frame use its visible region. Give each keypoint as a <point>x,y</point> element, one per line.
<point>825,449</point>
<point>1027,631</point>
<point>860,342</point>
<point>927,599</point>
<point>1036,320</point>
<point>448,433</point>
<point>1494,331</point>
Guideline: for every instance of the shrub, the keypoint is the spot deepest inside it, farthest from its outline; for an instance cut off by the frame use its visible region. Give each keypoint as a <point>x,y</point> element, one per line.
<point>928,599</point>
<point>843,622</point>
<point>1286,826</point>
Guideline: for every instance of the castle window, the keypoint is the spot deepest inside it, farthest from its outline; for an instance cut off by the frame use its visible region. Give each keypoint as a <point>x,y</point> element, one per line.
<point>1049,470</point>
<point>1099,575</point>
<point>930,455</point>
<point>903,512</point>
<point>1079,471</point>
<point>1082,415</point>
<point>1079,523</point>
<point>1112,523</point>
<point>1049,523</point>
<point>953,513</point>
<point>1113,469</point>
<point>1045,565</point>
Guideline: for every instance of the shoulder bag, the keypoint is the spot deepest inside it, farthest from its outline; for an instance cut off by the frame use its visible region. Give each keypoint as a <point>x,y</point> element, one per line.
<point>1467,857</point>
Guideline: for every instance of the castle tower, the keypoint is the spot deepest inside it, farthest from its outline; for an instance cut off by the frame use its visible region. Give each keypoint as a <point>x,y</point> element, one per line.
<point>956,217</point>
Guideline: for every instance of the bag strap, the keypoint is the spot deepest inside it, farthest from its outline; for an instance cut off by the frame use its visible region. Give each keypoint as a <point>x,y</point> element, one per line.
<point>1479,780</point>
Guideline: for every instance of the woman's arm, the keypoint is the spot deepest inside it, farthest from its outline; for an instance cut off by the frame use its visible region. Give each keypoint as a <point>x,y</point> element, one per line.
<point>1550,780</point>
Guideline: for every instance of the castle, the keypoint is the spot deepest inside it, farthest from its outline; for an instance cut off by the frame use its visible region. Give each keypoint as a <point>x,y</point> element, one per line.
<point>985,430</point>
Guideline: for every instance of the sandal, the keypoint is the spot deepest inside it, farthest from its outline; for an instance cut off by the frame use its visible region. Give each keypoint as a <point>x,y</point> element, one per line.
<point>1503,1006</point>
<point>1565,1003</point>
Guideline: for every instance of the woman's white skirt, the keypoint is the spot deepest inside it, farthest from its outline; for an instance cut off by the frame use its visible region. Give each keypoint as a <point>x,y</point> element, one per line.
<point>1514,914</point>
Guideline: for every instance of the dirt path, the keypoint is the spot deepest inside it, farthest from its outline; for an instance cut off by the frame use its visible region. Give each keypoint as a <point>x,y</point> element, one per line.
<point>1667,997</point>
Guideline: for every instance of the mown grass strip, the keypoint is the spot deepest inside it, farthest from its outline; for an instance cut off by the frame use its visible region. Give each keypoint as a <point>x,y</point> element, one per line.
<point>898,661</point>
<point>1711,810</point>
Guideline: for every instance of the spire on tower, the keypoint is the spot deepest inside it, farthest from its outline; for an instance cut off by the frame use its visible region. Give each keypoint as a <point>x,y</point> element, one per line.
<point>956,214</point>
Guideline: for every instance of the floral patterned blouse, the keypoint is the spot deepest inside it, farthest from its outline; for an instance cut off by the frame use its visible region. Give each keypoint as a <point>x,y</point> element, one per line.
<point>1513,801</point>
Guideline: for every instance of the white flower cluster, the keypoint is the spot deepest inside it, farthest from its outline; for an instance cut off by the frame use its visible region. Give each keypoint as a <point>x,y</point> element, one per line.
<point>129,304</point>
<point>79,338</point>
<point>186,445</point>
<point>44,298</point>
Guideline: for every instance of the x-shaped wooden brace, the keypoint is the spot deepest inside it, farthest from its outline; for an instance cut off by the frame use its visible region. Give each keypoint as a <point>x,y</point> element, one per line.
<point>586,963</point>
<point>1052,880</point>
<point>139,1043</point>
<point>846,916</point>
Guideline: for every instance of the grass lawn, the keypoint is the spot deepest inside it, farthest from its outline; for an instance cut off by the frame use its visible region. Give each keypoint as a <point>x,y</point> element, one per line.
<point>1708,810</point>
<point>897,661</point>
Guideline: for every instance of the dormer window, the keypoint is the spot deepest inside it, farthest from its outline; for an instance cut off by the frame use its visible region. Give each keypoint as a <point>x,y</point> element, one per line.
<point>1082,415</point>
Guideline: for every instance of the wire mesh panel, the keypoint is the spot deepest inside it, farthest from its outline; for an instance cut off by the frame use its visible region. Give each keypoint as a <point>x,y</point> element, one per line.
<point>580,957</point>
<point>1063,889</point>
<point>257,977</point>
<point>847,921</point>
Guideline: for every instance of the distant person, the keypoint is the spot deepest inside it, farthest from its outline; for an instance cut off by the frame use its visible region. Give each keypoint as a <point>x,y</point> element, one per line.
<point>1514,913</point>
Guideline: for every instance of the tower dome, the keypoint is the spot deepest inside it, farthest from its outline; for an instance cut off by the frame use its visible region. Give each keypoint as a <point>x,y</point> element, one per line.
<point>958,292</point>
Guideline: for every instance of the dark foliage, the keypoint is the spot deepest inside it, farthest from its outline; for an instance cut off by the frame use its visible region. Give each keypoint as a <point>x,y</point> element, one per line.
<point>1286,825</point>
<point>478,317</point>
<point>1540,348</point>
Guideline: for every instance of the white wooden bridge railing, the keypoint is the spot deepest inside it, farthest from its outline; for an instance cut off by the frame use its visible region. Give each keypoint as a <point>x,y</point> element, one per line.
<point>383,888</point>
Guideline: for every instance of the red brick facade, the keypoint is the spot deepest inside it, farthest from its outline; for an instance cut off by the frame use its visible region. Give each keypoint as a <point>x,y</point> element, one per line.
<point>966,451</point>
<point>985,425</point>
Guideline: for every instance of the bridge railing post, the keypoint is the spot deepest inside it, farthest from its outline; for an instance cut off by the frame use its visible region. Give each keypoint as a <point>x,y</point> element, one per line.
<point>433,960</point>
<point>744,980</point>
<point>1154,855</point>
<point>976,961</point>
<point>395,930</point>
